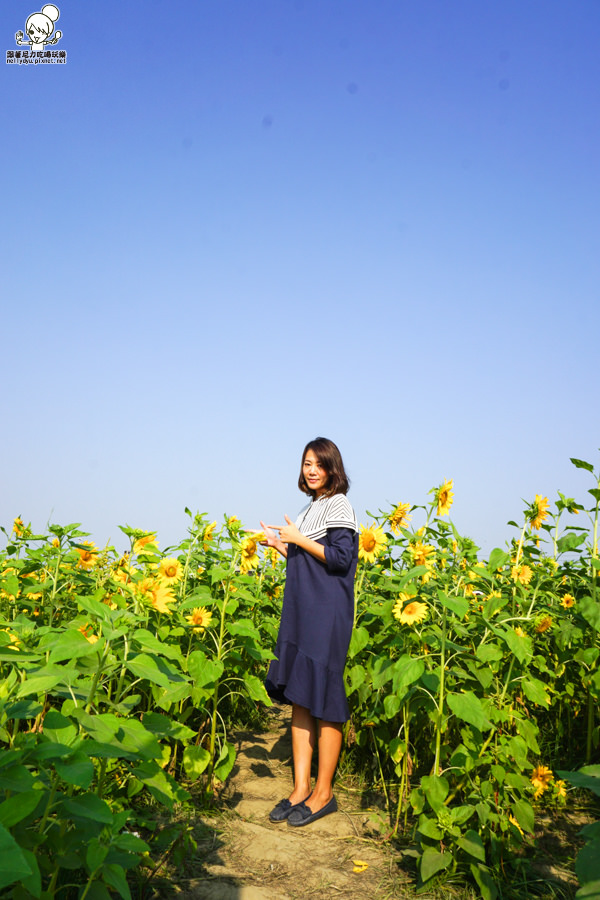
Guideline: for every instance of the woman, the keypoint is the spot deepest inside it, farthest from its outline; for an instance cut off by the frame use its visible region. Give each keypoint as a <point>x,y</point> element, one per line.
<point>316,624</point>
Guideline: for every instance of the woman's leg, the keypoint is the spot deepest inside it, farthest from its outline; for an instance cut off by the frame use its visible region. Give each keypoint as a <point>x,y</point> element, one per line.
<point>330,745</point>
<point>304,734</point>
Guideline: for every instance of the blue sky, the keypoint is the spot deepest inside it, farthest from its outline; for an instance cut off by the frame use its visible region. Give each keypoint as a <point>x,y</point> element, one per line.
<point>232,226</point>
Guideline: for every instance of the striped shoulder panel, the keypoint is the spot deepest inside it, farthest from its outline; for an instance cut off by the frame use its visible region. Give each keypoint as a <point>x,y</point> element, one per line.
<point>324,513</point>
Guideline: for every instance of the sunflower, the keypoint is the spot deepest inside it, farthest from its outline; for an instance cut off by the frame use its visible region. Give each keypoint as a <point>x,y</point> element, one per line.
<point>170,571</point>
<point>14,643</point>
<point>18,526</point>
<point>420,553</point>
<point>522,574</point>
<point>371,542</point>
<point>399,517</point>
<point>200,618</point>
<point>146,544</point>
<point>514,822</point>
<point>543,625</point>
<point>519,631</point>
<point>87,555</point>
<point>272,555</point>
<point>444,496</point>
<point>561,789</point>
<point>410,614</point>
<point>145,589</point>
<point>567,601</point>
<point>233,524</point>
<point>250,559</point>
<point>540,779</point>
<point>538,511</point>
<point>207,535</point>
<point>161,596</point>
<point>88,634</point>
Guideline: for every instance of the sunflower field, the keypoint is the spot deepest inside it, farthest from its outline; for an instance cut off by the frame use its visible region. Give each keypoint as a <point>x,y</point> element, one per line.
<point>473,686</point>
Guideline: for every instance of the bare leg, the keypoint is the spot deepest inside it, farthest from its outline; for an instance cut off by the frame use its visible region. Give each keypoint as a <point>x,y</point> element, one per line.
<point>304,734</point>
<point>330,745</point>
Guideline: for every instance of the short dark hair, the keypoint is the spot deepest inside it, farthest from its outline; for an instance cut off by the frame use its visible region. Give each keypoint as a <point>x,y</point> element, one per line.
<point>331,459</point>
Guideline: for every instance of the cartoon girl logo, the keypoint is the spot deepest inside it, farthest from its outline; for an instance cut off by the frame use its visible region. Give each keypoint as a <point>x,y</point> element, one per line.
<point>39,26</point>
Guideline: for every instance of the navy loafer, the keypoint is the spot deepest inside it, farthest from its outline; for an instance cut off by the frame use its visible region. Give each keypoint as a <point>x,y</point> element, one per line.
<point>280,812</point>
<point>301,814</point>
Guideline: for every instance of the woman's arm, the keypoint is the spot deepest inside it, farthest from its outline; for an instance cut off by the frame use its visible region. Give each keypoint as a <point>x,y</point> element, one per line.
<point>291,535</point>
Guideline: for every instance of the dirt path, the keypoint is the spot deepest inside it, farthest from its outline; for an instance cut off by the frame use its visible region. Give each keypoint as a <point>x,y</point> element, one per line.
<point>254,859</point>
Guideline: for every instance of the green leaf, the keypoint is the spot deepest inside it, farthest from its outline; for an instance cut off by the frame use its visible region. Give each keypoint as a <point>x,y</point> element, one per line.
<point>391,705</point>
<point>590,610</point>
<point>458,605</point>
<point>595,492</point>
<point>523,813</point>
<point>10,584</point>
<point>487,653</point>
<point>359,640</point>
<point>407,670</point>
<point>587,864</point>
<point>429,827</point>
<point>520,645</point>
<point>88,806</point>
<point>95,855</point>
<point>134,737</point>
<point>589,891</point>
<point>569,541</point>
<point>195,761</point>
<point>256,690</point>
<point>204,671</point>
<point>24,709</point>
<point>468,707</point>
<point>59,728</point>
<point>587,777</point>
<point>40,683</point>
<point>149,668</point>
<point>19,806</point>
<point>94,607</point>
<point>432,862</point>
<point>435,788</point>
<point>382,671</point>
<point>114,876</point>
<point>33,882</point>
<point>356,677</point>
<point>535,690</point>
<point>161,785</point>
<point>225,762</point>
<point>164,726</point>
<point>70,644</point>
<point>472,844</point>
<point>498,559</point>
<point>149,641</point>
<point>78,770</point>
<point>244,628</point>
<point>581,464</point>
<point>484,880</point>
<point>49,750</point>
<point>13,865</point>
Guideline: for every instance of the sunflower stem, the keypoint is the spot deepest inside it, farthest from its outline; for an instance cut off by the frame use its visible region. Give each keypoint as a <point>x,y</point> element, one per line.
<point>441,697</point>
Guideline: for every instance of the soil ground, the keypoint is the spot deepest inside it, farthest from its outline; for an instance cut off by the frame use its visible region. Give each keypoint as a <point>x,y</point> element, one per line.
<point>249,858</point>
<point>241,855</point>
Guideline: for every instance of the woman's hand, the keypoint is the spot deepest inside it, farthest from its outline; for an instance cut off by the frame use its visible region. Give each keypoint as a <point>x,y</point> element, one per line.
<point>289,533</point>
<point>273,540</point>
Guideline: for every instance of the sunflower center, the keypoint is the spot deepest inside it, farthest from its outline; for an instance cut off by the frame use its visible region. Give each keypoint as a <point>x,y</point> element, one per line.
<point>369,542</point>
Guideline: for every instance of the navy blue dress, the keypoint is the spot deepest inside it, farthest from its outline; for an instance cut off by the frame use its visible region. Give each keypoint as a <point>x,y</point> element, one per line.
<point>318,613</point>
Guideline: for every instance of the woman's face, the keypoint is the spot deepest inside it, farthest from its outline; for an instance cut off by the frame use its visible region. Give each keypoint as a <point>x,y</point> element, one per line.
<point>315,475</point>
